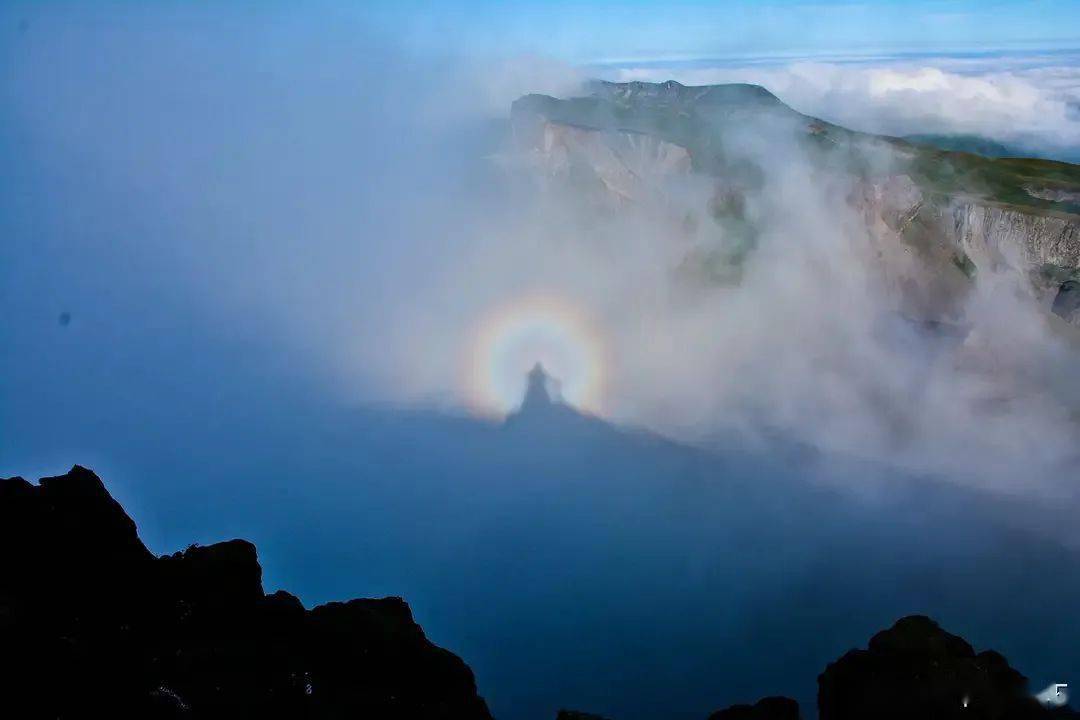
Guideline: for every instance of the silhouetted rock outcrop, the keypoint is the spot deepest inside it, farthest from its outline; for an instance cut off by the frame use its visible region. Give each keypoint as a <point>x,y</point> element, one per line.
<point>913,671</point>
<point>574,715</point>
<point>92,624</point>
<point>917,670</point>
<point>770,708</point>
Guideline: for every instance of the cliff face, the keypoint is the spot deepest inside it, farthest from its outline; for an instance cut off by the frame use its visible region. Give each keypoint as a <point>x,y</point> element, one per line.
<point>935,219</point>
<point>930,249</point>
<point>909,251</point>
<point>612,167</point>
<point>995,236</point>
<point>92,624</point>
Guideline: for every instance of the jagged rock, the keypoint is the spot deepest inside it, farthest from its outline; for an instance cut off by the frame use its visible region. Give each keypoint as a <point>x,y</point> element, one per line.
<point>91,623</point>
<point>770,708</point>
<point>917,670</point>
<point>372,660</point>
<point>1003,236</point>
<point>623,167</point>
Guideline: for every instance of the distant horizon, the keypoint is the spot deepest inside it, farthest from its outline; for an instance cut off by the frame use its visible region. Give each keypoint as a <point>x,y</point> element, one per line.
<point>642,30</point>
<point>1034,52</point>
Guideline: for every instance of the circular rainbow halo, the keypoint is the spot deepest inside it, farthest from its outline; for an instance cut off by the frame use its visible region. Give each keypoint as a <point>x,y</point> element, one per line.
<point>545,330</point>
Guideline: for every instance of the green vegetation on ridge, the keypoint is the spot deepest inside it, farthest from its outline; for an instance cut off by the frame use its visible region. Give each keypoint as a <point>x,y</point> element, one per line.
<point>711,121</point>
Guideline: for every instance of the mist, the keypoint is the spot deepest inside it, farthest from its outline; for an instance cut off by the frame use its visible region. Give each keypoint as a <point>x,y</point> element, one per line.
<point>247,256</point>
<point>1025,99</point>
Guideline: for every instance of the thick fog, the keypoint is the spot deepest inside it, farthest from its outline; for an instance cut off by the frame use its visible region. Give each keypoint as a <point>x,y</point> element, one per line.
<point>247,256</point>
<point>355,213</point>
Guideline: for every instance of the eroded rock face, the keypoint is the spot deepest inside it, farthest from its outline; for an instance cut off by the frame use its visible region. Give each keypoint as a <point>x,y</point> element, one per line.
<point>994,235</point>
<point>92,624</point>
<point>931,249</point>
<point>617,167</point>
<point>909,250</point>
<point>935,221</point>
<point>917,670</point>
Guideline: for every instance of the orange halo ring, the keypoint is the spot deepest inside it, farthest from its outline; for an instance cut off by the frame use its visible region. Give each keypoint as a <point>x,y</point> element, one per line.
<point>511,339</point>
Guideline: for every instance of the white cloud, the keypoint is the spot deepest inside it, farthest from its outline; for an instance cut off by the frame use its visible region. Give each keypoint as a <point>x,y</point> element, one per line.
<point>1032,101</point>
<point>336,204</point>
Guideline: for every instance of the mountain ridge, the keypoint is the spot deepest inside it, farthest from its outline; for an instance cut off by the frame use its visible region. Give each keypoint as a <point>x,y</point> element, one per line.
<point>941,207</point>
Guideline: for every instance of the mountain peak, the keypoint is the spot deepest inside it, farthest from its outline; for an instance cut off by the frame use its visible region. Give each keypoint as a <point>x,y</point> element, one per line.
<point>674,91</point>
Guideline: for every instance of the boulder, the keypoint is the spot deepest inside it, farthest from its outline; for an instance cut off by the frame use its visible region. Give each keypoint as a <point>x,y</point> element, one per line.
<point>917,670</point>
<point>93,624</point>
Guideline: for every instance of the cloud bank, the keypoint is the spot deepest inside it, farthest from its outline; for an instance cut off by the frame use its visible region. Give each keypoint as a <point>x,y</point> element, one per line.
<point>1031,101</point>
<point>255,222</point>
<point>332,212</point>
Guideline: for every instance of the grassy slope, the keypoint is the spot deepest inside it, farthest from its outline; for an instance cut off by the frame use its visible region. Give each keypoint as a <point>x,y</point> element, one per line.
<point>698,118</point>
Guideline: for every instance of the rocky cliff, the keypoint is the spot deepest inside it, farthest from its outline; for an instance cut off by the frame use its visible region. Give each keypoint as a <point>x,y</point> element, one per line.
<point>917,670</point>
<point>929,212</point>
<point>94,625</point>
<point>1044,245</point>
<point>624,166</point>
<point>912,671</point>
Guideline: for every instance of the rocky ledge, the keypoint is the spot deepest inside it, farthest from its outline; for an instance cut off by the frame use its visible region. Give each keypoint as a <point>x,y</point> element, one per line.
<point>917,670</point>
<point>912,671</point>
<point>92,624</point>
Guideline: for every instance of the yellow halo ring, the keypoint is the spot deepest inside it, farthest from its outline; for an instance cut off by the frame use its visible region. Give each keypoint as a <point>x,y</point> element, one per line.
<point>547,329</point>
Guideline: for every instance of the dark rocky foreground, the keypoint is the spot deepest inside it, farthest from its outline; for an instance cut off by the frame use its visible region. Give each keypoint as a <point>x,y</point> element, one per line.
<point>917,670</point>
<point>93,624</point>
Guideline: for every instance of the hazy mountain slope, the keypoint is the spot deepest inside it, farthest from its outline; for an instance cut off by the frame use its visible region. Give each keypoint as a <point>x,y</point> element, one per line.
<point>966,143</point>
<point>987,147</point>
<point>936,217</point>
<point>698,117</point>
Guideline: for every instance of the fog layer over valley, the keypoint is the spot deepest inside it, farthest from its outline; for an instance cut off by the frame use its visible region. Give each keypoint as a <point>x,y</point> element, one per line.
<point>273,278</point>
<point>1024,103</point>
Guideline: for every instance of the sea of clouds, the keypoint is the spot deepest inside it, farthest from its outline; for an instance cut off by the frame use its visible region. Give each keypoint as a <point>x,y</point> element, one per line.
<point>1031,100</point>
<point>334,207</point>
<point>259,224</point>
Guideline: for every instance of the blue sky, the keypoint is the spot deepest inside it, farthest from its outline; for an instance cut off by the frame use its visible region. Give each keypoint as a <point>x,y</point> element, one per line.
<point>268,227</point>
<point>643,29</point>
